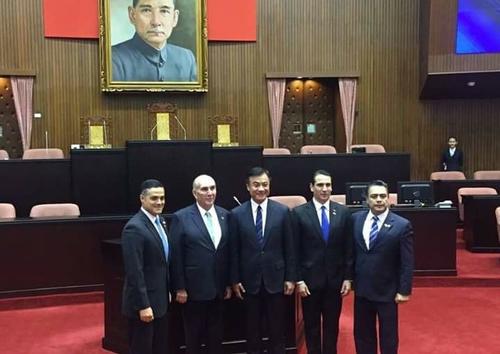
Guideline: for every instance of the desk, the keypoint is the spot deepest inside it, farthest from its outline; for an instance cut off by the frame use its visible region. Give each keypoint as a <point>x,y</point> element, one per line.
<point>480,225</point>
<point>54,256</point>
<point>291,174</point>
<point>106,181</point>
<point>434,239</point>
<point>115,324</point>
<point>448,189</point>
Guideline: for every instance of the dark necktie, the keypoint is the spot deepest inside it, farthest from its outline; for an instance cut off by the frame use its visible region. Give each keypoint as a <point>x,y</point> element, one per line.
<point>373,231</point>
<point>325,225</point>
<point>163,236</point>
<point>258,227</point>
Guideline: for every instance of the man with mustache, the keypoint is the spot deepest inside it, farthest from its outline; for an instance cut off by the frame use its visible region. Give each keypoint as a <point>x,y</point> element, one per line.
<point>147,56</point>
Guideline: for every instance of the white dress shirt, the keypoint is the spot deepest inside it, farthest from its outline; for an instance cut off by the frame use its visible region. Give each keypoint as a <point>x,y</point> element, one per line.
<point>263,205</point>
<point>215,223</point>
<point>368,225</point>
<point>318,205</point>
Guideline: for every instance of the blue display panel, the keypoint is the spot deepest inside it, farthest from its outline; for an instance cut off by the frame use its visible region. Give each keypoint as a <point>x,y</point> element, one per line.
<point>478,26</point>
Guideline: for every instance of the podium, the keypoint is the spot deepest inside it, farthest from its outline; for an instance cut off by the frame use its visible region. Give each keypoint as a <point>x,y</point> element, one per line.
<point>115,324</point>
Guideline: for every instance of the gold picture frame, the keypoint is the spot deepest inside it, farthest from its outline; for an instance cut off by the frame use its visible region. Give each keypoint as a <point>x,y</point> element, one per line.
<point>128,45</point>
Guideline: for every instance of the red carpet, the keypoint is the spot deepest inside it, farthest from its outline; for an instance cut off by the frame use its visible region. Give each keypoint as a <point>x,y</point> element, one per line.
<point>455,315</point>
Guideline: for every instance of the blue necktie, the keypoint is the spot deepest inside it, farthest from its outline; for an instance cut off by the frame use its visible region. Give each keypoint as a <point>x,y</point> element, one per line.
<point>258,227</point>
<point>325,225</point>
<point>163,236</point>
<point>373,231</point>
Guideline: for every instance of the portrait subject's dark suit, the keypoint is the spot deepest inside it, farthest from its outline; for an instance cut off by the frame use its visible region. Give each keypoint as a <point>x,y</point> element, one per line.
<point>323,266</point>
<point>380,273</point>
<point>262,270</point>
<point>146,283</point>
<point>452,163</point>
<point>203,271</point>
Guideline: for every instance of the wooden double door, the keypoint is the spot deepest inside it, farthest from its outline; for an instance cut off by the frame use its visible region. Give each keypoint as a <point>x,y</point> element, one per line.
<point>310,112</point>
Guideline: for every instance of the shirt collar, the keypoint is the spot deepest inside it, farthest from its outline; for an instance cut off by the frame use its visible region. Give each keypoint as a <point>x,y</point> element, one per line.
<point>151,54</point>
<point>211,211</point>
<point>263,205</point>
<point>150,216</point>
<point>318,205</point>
<point>381,217</point>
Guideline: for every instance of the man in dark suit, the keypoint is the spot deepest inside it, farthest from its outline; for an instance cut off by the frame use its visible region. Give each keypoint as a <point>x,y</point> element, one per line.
<point>452,159</point>
<point>145,250</point>
<point>200,237</point>
<point>383,271</point>
<point>262,262</point>
<point>324,258</point>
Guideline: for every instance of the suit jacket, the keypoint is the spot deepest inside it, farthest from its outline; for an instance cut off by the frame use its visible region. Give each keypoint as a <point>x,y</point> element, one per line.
<point>272,264</point>
<point>146,268</point>
<point>319,263</point>
<point>387,268</point>
<point>453,163</point>
<point>197,265</point>
<point>135,60</point>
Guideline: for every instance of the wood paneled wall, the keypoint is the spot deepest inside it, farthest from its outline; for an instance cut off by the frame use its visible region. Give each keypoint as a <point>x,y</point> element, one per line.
<point>379,39</point>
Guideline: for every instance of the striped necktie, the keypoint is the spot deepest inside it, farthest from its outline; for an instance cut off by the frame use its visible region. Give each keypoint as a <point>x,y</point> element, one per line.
<point>258,227</point>
<point>373,231</point>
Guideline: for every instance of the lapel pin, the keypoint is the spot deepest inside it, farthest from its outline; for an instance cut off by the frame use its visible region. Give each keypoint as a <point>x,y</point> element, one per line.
<point>387,225</point>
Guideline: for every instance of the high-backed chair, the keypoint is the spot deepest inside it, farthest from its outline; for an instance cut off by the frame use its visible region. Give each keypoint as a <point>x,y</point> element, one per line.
<point>33,154</point>
<point>447,175</point>
<point>291,201</point>
<point>275,151</point>
<point>370,148</point>
<point>7,211</point>
<point>55,210</point>
<point>393,198</point>
<point>4,155</point>
<point>339,198</point>
<point>318,149</point>
<point>471,191</point>
<point>497,214</point>
<point>492,174</point>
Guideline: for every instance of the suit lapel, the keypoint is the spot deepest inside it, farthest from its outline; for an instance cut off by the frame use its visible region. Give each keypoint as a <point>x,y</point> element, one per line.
<point>223,227</point>
<point>269,213</point>
<point>313,217</point>
<point>200,224</point>
<point>384,231</point>
<point>154,233</point>
<point>248,215</point>
<point>358,230</point>
<point>334,220</point>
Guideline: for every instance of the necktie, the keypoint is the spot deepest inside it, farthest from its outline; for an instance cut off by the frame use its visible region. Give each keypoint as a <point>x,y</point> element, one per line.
<point>210,227</point>
<point>163,236</point>
<point>325,225</point>
<point>373,231</point>
<point>258,227</point>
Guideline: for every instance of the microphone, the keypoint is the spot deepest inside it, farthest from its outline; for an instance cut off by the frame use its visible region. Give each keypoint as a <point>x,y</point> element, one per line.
<point>152,130</point>
<point>183,129</point>
<point>236,200</point>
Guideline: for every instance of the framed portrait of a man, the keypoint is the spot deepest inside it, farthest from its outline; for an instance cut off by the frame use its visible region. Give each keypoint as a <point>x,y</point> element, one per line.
<point>153,45</point>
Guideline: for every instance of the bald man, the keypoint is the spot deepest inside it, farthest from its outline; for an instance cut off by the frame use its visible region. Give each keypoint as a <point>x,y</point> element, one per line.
<point>201,267</point>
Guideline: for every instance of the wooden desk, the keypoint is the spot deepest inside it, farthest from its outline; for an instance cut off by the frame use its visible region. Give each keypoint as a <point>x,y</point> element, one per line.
<point>53,256</point>
<point>106,181</point>
<point>434,239</point>
<point>291,174</point>
<point>115,324</point>
<point>480,225</point>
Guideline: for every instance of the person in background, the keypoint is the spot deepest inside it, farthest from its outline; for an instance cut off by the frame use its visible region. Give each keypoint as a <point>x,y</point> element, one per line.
<point>452,158</point>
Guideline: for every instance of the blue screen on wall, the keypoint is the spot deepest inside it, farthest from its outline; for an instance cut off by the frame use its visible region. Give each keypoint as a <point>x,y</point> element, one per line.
<point>478,26</point>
